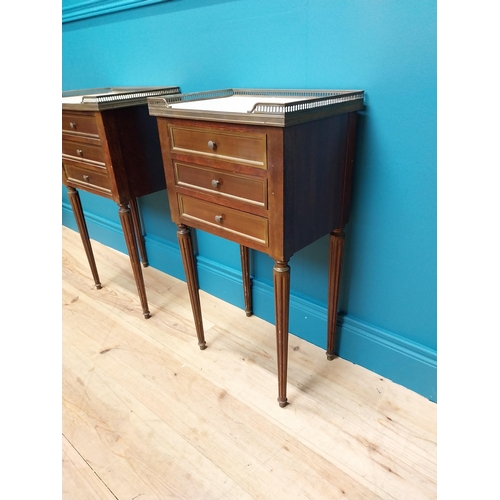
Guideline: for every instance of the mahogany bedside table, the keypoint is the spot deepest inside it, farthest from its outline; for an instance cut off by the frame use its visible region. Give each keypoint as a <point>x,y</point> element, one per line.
<point>268,169</point>
<point>110,148</point>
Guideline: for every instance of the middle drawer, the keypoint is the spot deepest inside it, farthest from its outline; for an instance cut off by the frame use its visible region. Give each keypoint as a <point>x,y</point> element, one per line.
<point>82,151</point>
<point>239,187</point>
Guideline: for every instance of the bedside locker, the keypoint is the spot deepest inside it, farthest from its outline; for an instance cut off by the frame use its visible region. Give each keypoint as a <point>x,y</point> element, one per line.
<point>268,169</point>
<point>110,148</point>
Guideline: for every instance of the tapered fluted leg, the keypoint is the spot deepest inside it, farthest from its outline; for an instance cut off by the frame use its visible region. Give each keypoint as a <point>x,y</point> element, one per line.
<point>335,262</point>
<point>281,274</point>
<point>136,219</point>
<point>186,247</point>
<point>247,286</point>
<point>74,199</point>
<point>128,232</point>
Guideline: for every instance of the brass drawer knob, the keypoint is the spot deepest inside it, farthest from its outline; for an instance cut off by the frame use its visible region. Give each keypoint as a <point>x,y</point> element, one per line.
<point>79,152</point>
<point>216,183</point>
<point>218,218</point>
<point>212,145</point>
<point>72,125</point>
<point>86,178</point>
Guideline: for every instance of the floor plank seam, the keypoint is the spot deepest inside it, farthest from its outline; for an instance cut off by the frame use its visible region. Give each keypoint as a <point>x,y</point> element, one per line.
<point>89,466</point>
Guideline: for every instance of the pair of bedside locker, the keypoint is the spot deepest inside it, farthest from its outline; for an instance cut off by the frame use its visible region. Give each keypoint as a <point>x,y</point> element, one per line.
<point>268,169</point>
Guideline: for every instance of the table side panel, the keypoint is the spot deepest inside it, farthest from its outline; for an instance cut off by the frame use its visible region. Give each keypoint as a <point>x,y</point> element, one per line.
<point>135,153</point>
<point>315,173</point>
<point>349,168</point>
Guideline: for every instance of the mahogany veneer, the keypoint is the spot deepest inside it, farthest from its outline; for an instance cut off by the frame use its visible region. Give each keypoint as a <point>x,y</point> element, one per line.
<point>271,181</point>
<point>110,148</point>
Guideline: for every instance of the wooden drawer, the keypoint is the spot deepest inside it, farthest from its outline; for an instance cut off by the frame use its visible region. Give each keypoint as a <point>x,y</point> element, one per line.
<point>89,177</point>
<point>82,151</point>
<point>227,221</point>
<point>231,146</point>
<point>79,124</point>
<point>240,187</point>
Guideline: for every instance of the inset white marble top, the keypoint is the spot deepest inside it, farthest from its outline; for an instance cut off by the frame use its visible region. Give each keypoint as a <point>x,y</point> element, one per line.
<point>233,104</point>
<point>75,99</point>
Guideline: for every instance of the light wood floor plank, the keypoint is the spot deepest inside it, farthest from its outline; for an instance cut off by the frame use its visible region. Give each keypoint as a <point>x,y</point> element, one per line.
<point>80,482</point>
<point>224,433</point>
<point>148,415</point>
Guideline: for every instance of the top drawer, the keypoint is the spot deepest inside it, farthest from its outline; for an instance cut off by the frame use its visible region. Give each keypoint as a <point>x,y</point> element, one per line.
<point>231,146</point>
<point>79,124</point>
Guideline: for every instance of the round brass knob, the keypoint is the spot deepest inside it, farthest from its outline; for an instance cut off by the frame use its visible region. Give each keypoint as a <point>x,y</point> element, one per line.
<point>86,178</point>
<point>79,152</point>
<point>218,218</point>
<point>72,125</point>
<point>216,183</point>
<point>212,145</point>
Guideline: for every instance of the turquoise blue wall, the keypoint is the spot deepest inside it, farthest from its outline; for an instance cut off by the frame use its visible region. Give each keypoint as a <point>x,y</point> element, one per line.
<point>387,48</point>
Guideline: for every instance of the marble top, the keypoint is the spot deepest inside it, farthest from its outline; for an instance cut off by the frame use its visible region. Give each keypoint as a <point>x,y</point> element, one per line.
<point>233,104</point>
<point>76,99</point>
<point>112,97</point>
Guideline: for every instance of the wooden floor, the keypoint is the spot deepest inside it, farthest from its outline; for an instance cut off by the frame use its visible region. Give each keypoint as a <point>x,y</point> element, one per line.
<point>148,415</point>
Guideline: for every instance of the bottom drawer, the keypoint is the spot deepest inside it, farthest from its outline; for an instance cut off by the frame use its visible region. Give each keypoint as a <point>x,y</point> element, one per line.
<point>227,221</point>
<point>93,179</point>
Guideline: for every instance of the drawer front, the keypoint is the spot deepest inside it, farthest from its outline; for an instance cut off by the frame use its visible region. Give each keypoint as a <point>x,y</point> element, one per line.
<point>79,123</point>
<point>228,221</point>
<point>88,177</point>
<point>235,186</point>
<point>83,151</point>
<point>231,146</point>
